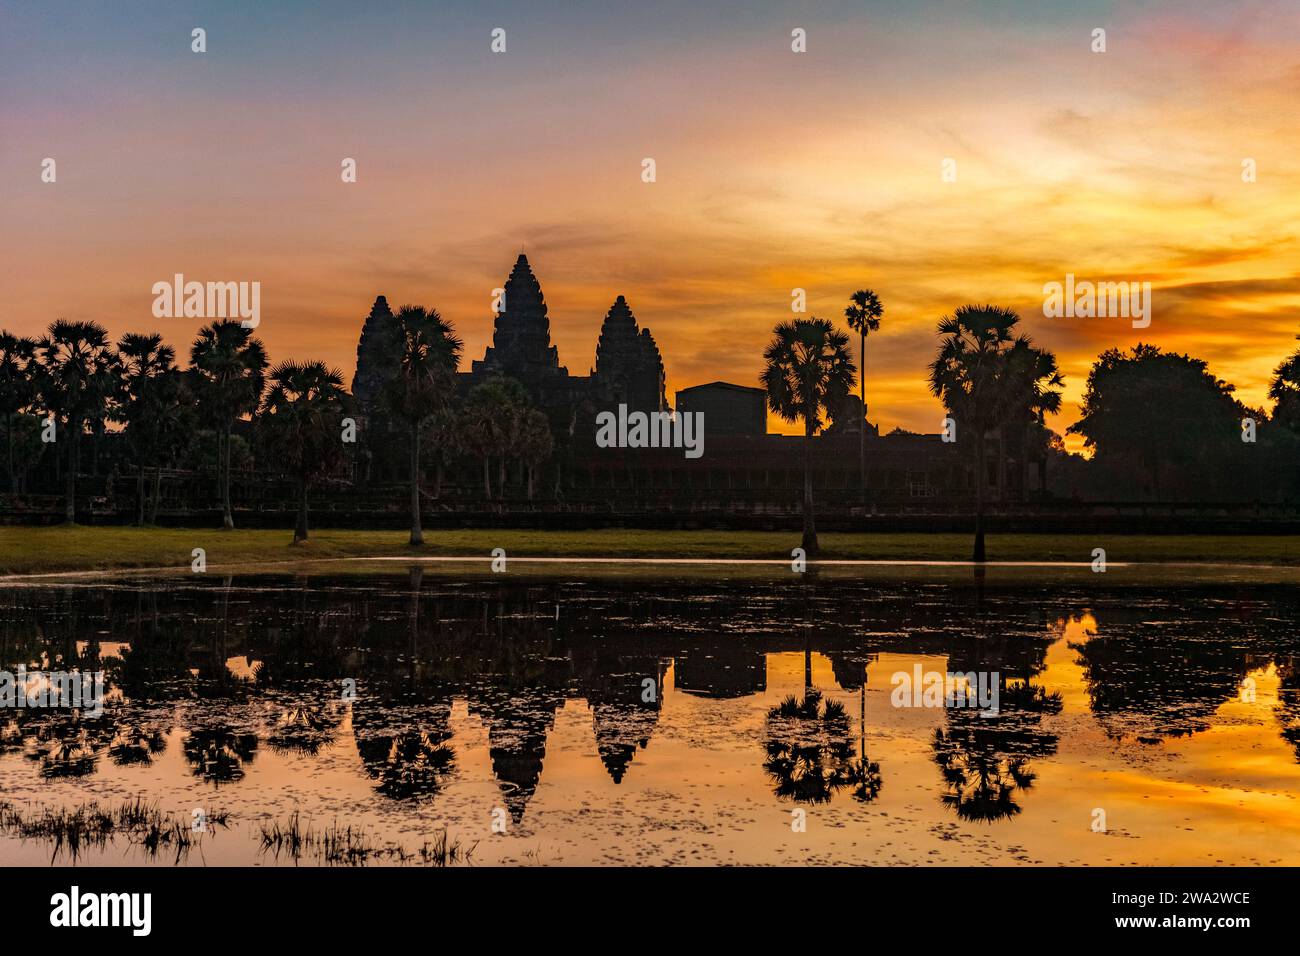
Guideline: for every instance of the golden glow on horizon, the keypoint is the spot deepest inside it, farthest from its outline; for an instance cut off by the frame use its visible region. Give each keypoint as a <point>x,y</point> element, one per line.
<point>790,173</point>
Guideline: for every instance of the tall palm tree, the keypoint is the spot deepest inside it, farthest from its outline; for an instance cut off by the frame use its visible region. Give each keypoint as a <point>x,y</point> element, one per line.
<point>863,314</point>
<point>302,415</point>
<point>75,361</point>
<point>808,370</point>
<point>986,375</point>
<point>17,388</point>
<point>426,379</point>
<point>151,389</point>
<point>229,367</point>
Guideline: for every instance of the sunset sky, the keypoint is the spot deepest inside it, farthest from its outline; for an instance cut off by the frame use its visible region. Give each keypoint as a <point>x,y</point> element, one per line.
<point>775,170</point>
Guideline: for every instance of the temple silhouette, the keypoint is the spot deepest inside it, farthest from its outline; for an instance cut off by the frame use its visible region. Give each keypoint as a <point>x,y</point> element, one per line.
<point>744,467</point>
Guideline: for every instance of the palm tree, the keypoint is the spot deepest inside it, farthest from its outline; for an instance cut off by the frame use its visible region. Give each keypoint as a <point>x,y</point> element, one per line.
<point>302,414</point>
<point>493,415</point>
<point>808,370</point>
<point>474,436</point>
<point>426,379</point>
<point>986,375</point>
<point>151,390</point>
<point>75,361</point>
<point>863,314</point>
<point>536,444</point>
<point>106,394</point>
<point>17,388</point>
<point>229,367</point>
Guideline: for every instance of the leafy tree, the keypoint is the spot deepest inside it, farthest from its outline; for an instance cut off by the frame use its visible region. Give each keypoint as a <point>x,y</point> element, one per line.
<point>301,417</point>
<point>229,373</point>
<point>863,314</point>
<point>1039,393</point>
<point>426,379</point>
<point>1285,390</point>
<point>1161,414</point>
<point>807,371</point>
<point>23,438</point>
<point>17,388</point>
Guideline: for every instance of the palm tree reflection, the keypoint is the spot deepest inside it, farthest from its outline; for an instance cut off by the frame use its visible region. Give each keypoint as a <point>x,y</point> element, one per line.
<point>217,750</point>
<point>984,760</point>
<point>137,742</point>
<point>809,748</point>
<point>405,749</point>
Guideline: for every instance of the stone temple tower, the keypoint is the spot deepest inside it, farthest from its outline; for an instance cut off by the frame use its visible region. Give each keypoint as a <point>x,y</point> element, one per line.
<point>521,340</point>
<point>379,360</point>
<point>629,370</point>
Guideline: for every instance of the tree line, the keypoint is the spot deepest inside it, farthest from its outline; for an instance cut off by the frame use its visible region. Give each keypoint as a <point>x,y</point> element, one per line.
<point>1145,410</point>
<point>67,386</point>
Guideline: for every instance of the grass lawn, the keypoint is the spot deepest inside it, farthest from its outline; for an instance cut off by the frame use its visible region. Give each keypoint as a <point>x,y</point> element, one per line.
<point>29,550</point>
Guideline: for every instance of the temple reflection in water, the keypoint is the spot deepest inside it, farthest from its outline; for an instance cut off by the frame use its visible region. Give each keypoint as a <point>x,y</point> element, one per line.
<point>233,668</point>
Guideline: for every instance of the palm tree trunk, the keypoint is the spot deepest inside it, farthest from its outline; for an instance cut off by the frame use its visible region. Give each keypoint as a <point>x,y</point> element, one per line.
<point>981,476</point>
<point>139,495</point>
<point>809,523</point>
<point>221,462</point>
<point>529,468</point>
<point>1003,471</point>
<point>9,443</point>
<point>417,532</point>
<point>862,424</point>
<point>157,494</point>
<point>487,478</point>
<point>300,530</point>
<point>227,519</point>
<point>70,509</point>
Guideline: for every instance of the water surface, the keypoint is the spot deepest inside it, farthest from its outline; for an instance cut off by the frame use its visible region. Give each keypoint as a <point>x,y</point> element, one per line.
<point>386,718</point>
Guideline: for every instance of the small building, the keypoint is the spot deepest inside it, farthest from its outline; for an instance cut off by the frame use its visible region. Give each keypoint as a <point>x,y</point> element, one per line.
<point>728,409</point>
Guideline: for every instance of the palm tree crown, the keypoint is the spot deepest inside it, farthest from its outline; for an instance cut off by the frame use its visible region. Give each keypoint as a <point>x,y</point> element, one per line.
<point>864,311</point>
<point>807,370</point>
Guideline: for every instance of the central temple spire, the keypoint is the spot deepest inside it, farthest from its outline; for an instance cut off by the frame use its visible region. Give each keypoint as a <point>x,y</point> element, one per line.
<point>521,339</point>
